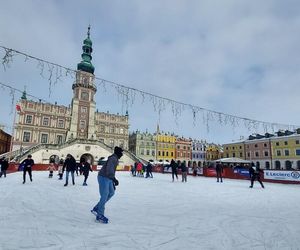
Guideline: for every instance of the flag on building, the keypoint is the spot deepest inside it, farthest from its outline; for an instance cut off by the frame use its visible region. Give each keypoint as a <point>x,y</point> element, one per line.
<point>18,107</point>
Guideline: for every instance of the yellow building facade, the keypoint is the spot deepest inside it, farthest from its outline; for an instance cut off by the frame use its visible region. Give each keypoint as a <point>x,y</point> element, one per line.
<point>236,149</point>
<point>165,146</point>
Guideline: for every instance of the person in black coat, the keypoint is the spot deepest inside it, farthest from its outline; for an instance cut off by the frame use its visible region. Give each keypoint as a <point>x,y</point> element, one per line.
<point>70,167</point>
<point>85,168</point>
<point>219,170</point>
<point>149,170</point>
<point>184,170</point>
<point>174,167</point>
<point>254,172</point>
<point>27,167</point>
<point>3,166</point>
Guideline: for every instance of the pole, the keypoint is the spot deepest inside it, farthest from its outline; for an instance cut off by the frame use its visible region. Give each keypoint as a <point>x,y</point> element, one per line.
<point>12,136</point>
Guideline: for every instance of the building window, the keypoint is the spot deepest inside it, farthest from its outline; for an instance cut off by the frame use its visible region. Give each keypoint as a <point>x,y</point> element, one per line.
<point>285,143</point>
<point>178,155</point>
<point>121,131</point>
<point>171,154</point>
<point>153,153</point>
<point>227,155</point>
<point>60,123</point>
<point>297,151</point>
<point>266,153</point>
<point>297,141</point>
<point>277,143</point>
<point>83,109</point>
<point>265,145</point>
<point>241,154</point>
<point>102,128</point>
<point>148,152</point>
<point>248,154</point>
<point>44,138</point>
<point>28,119</point>
<point>286,152</point>
<point>233,154</point>
<point>278,152</point>
<point>178,147</point>
<point>277,165</point>
<point>142,151</point>
<point>112,143</point>
<point>267,165</point>
<point>255,145</point>
<point>46,121</point>
<point>158,153</point>
<point>26,137</point>
<point>163,153</point>
<point>167,153</point>
<point>256,154</point>
<point>82,124</point>
<point>112,129</point>
<point>59,139</point>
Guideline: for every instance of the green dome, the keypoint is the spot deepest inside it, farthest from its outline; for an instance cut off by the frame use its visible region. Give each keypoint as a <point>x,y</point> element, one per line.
<point>86,64</point>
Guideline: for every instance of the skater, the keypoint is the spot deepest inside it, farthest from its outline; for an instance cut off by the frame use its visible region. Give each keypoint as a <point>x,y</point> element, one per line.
<point>139,169</point>
<point>86,168</point>
<point>219,170</point>
<point>107,182</point>
<point>60,169</point>
<point>254,172</point>
<point>174,167</point>
<point>27,163</point>
<point>69,166</point>
<point>184,171</point>
<point>149,170</point>
<point>3,167</point>
<point>51,168</point>
<point>194,169</point>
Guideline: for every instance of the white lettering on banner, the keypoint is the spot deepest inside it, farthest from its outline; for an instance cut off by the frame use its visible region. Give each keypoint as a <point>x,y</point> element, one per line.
<point>282,175</point>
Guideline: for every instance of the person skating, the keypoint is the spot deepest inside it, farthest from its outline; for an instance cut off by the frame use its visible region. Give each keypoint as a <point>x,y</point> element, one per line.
<point>254,172</point>
<point>85,168</point>
<point>184,170</point>
<point>149,170</point>
<point>107,182</point>
<point>219,170</point>
<point>3,166</point>
<point>174,167</point>
<point>70,167</point>
<point>60,169</point>
<point>27,163</point>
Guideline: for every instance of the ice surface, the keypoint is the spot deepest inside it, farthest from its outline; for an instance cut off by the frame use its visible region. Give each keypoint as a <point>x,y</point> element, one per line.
<point>148,214</point>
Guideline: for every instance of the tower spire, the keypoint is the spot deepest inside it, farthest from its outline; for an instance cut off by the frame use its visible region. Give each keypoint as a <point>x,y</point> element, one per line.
<point>86,64</point>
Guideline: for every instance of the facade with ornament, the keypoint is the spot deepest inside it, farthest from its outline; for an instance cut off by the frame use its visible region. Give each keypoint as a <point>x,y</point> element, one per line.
<point>52,124</point>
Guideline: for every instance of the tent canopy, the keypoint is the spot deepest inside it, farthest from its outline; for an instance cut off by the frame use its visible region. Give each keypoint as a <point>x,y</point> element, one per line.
<point>232,160</point>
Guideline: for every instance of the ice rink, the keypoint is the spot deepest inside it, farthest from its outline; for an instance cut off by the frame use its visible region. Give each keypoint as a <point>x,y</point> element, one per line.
<point>148,214</point>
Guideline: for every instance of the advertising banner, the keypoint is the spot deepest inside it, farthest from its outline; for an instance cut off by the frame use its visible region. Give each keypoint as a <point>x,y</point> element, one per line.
<point>282,175</point>
<point>211,172</point>
<point>242,171</point>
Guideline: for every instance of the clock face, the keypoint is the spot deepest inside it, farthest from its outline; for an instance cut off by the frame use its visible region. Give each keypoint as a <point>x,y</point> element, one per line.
<point>85,96</point>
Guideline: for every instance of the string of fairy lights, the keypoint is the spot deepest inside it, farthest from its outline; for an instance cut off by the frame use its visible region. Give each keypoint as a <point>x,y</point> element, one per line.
<point>55,73</point>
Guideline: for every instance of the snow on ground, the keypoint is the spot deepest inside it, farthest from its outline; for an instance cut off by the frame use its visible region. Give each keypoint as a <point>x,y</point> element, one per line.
<point>148,214</point>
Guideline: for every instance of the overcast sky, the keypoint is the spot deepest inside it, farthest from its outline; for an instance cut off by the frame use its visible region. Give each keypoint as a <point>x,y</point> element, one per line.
<point>232,56</point>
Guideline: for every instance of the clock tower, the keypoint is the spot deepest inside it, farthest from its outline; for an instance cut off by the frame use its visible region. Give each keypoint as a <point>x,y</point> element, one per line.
<point>83,102</point>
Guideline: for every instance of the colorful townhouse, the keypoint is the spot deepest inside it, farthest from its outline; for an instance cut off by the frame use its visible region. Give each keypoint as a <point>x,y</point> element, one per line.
<point>286,151</point>
<point>143,145</point>
<point>183,150</point>
<point>198,152</point>
<point>165,146</point>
